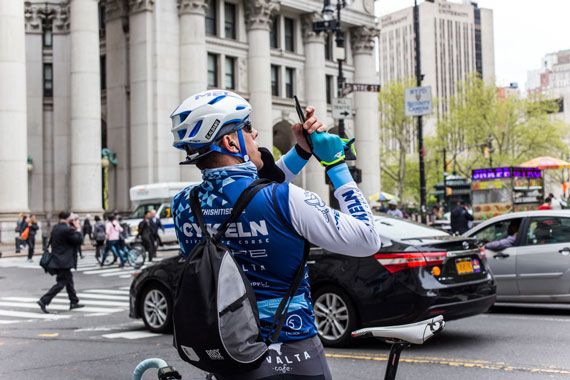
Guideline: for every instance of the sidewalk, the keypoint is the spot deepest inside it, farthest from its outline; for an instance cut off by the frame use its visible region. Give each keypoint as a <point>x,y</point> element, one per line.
<point>8,250</point>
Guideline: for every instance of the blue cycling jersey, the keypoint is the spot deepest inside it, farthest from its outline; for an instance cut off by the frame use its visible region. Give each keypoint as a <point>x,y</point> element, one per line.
<point>268,251</point>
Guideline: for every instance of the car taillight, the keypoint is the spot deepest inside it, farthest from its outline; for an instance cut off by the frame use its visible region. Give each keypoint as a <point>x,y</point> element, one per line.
<point>395,262</point>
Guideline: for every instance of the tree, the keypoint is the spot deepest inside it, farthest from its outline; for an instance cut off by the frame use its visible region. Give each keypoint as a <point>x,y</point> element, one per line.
<point>396,134</point>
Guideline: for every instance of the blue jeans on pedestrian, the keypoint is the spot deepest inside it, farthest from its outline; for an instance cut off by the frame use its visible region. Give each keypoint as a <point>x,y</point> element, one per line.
<point>115,246</point>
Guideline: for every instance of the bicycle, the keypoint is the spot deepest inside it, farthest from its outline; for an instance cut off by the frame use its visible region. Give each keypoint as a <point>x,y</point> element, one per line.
<point>133,254</point>
<point>400,337</point>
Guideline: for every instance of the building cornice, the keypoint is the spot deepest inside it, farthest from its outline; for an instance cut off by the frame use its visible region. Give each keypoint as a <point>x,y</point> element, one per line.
<point>363,39</point>
<point>192,7</point>
<point>350,17</point>
<point>136,6</point>
<point>115,9</point>
<point>258,13</point>
<point>39,16</point>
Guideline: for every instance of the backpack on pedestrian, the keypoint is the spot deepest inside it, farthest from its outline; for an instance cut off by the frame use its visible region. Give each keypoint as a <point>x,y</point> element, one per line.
<point>215,316</point>
<point>99,232</point>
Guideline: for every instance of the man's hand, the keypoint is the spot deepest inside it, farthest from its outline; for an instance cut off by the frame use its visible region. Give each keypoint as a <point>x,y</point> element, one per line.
<point>311,125</point>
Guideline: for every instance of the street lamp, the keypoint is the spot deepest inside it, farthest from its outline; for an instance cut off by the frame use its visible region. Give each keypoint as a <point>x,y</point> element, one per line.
<point>330,24</point>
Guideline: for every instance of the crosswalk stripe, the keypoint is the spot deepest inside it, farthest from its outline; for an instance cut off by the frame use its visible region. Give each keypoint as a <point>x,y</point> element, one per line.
<point>131,335</point>
<point>66,301</point>
<point>124,288</point>
<point>86,309</point>
<point>98,296</point>
<point>124,272</point>
<point>107,291</point>
<point>125,276</point>
<point>25,314</point>
<point>6,322</point>
<point>105,270</point>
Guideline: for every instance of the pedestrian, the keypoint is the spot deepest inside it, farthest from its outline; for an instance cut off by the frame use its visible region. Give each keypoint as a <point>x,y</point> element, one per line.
<point>156,225</point>
<point>146,234</point>
<point>554,202</point>
<point>20,227</point>
<point>87,229</point>
<point>225,149</point>
<point>65,240</point>
<point>99,234</point>
<point>460,218</point>
<point>112,235</point>
<point>546,205</point>
<point>31,240</point>
<point>393,209</point>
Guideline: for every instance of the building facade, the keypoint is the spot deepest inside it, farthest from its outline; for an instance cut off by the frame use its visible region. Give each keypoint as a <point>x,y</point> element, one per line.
<point>456,40</point>
<point>105,76</point>
<point>552,81</point>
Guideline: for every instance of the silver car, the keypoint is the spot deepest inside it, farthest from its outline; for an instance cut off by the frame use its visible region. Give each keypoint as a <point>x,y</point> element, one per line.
<point>536,269</point>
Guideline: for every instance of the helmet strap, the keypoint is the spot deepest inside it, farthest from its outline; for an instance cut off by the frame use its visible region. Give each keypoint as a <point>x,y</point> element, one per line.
<point>242,154</point>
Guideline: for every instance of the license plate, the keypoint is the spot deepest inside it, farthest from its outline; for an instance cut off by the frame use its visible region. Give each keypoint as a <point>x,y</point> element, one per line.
<point>464,266</point>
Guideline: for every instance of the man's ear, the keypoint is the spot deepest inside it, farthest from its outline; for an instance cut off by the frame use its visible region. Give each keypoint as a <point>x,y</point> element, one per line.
<point>228,144</point>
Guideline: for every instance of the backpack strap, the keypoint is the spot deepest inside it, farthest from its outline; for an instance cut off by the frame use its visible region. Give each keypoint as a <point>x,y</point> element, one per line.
<point>245,197</point>
<point>197,210</point>
<point>281,312</point>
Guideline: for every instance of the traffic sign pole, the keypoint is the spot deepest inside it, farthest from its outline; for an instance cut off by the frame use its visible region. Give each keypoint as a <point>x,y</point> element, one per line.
<point>423,207</point>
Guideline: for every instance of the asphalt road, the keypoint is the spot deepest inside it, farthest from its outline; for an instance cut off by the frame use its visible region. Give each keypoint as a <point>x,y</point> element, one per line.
<point>101,342</point>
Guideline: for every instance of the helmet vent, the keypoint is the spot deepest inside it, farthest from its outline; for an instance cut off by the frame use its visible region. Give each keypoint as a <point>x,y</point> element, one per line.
<point>195,129</point>
<point>216,99</point>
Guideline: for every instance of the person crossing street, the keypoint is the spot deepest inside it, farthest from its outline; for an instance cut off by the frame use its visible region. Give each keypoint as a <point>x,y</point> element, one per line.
<point>65,240</point>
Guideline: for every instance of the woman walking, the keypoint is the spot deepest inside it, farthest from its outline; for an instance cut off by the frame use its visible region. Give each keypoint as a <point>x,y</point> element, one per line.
<point>113,233</point>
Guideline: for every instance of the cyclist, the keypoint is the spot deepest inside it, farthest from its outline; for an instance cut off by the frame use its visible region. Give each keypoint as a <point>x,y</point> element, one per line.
<point>214,129</point>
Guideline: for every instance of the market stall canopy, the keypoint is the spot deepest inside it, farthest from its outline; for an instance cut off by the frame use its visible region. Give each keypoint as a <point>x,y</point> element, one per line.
<point>546,162</point>
<point>382,197</point>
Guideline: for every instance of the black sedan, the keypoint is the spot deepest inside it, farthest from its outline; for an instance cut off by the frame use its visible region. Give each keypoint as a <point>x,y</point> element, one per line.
<point>419,272</point>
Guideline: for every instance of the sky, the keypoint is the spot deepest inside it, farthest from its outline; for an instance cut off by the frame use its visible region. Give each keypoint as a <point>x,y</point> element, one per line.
<point>525,31</point>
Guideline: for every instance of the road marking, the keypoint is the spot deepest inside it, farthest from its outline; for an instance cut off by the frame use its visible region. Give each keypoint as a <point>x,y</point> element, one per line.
<point>98,296</point>
<point>527,318</point>
<point>87,309</point>
<point>466,363</point>
<point>99,271</point>
<point>25,314</point>
<point>131,335</point>
<point>108,291</point>
<point>48,335</point>
<point>65,301</point>
<point>125,288</point>
<point>7,322</point>
<point>118,273</point>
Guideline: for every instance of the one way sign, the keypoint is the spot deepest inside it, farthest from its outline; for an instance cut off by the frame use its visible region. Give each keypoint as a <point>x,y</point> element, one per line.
<point>342,108</point>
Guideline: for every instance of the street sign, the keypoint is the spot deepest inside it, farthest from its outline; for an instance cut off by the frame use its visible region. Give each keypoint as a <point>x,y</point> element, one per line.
<point>418,101</point>
<point>362,87</point>
<point>342,108</point>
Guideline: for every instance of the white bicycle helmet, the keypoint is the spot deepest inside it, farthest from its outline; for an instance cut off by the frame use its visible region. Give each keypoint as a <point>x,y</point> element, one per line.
<point>202,119</point>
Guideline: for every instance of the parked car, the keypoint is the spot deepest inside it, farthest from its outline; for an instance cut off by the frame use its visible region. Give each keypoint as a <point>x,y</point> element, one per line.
<point>537,268</point>
<point>418,273</point>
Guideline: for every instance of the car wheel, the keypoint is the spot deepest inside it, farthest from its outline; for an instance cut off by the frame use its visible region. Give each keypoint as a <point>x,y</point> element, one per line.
<point>335,316</point>
<point>156,308</point>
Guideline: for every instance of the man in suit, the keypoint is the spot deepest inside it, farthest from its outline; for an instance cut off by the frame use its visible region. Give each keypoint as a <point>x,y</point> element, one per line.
<point>65,240</point>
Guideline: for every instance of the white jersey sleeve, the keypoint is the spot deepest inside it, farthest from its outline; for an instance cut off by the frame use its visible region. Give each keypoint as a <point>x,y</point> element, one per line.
<point>349,232</point>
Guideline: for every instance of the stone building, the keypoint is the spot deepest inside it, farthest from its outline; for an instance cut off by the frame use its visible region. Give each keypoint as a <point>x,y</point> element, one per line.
<point>78,76</point>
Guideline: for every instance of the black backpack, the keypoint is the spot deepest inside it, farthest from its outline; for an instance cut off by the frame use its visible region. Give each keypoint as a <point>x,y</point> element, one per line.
<point>215,316</point>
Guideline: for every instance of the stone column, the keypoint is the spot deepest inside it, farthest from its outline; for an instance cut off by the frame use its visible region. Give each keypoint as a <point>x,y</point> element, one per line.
<point>117,61</point>
<point>141,91</point>
<point>315,95</point>
<point>13,121</point>
<point>366,107</point>
<point>258,22</point>
<point>85,107</point>
<point>13,118</point>
<point>193,62</point>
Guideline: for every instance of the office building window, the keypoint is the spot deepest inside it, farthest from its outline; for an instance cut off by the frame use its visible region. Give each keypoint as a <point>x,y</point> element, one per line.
<point>289,24</point>
<point>48,80</point>
<point>212,70</point>
<point>47,38</point>
<point>103,62</point>
<point>211,22</point>
<point>329,89</point>
<point>289,82</point>
<point>230,20</point>
<point>329,47</point>
<point>230,73</point>
<point>274,33</point>
<point>274,80</point>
